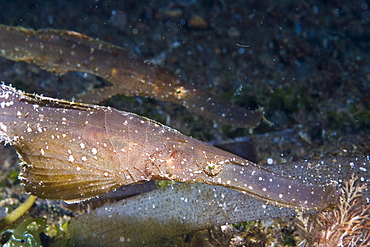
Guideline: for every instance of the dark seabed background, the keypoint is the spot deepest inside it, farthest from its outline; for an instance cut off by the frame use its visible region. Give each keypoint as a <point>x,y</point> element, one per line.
<point>306,63</point>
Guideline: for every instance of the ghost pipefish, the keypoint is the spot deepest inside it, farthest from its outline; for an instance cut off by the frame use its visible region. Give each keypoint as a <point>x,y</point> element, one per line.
<point>61,51</point>
<point>167,212</point>
<point>75,151</point>
<point>187,208</point>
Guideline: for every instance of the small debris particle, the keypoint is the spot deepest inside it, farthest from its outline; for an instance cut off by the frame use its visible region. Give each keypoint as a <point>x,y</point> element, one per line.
<point>197,22</point>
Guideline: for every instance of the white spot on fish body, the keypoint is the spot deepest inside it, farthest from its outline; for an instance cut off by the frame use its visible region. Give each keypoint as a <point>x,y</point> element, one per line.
<point>6,104</point>
<point>71,158</point>
<point>3,127</point>
<point>38,128</point>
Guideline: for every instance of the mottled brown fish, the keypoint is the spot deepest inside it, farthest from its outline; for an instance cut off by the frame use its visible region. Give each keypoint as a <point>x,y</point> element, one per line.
<point>61,51</point>
<point>76,151</point>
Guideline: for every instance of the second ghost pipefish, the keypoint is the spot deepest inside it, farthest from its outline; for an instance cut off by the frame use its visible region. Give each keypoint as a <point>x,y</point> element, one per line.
<point>60,51</point>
